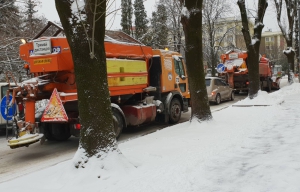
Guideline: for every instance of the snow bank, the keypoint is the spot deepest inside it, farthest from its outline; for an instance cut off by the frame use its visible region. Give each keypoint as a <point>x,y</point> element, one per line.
<point>240,149</point>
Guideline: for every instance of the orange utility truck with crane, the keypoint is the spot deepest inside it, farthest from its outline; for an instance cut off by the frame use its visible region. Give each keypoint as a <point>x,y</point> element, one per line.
<point>145,85</point>
<point>234,70</point>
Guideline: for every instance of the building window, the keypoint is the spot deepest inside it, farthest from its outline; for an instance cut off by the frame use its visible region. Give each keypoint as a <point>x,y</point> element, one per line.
<point>268,47</point>
<point>269,39</point>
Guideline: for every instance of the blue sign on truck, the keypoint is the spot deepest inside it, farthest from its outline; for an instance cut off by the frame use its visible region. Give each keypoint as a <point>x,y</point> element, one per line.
<point>220,68</point>
<point>7,111</point>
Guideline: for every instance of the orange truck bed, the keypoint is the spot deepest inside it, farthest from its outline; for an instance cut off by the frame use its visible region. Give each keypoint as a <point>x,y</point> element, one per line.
<point>125,76</point>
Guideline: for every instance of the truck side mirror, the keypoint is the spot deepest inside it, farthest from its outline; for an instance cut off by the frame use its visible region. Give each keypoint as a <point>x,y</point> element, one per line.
<point>183,77</point>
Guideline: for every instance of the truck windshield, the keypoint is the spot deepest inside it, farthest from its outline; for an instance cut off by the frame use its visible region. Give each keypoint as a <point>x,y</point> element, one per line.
<point>179,66</point>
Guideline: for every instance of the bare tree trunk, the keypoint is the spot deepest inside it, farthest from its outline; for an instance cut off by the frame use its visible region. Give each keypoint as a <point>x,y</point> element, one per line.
<point>86,40</point>
<point>297,40</point>
<point>191,20</point>
<point>212,51</point>
<point>287,31</point>
<point>297,36</point>
<point>253,44</point>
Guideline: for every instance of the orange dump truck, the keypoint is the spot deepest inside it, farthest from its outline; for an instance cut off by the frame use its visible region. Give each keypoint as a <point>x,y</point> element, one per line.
<point>148,85</point>
<point>235,71</point>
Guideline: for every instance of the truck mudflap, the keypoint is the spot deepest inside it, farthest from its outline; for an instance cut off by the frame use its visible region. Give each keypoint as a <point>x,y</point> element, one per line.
<point>25,140</point>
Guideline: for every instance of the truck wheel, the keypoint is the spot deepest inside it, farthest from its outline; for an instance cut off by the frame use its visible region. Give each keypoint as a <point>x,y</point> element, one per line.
<point>218,99</point>
<point>46,129</point>
<point>232,96</point>
<point>269,84</point>
<point>118,123</point>
<point>261,86</point>
<point>60,131</point>
<point>175,111</point>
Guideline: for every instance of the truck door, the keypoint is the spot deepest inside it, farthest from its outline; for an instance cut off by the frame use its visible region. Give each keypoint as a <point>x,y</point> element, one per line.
<point>180,75</point>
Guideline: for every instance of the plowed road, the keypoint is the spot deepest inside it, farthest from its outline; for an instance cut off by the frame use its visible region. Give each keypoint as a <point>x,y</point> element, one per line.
<point>21,161</point>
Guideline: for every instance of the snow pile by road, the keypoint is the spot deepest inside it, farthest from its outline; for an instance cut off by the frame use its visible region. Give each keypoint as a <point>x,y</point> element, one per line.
<point>253,148</point>
<point>263,99</point>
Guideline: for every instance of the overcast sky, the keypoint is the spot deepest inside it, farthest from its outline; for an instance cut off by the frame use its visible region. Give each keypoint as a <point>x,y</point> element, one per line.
<point>47,8</point>
<point>113,22</point>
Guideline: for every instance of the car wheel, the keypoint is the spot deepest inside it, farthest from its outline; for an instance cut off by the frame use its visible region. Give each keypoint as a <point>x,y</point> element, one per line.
<point>218,99</point>
<point>118,123</point>
<point>175,111</point>
<point>232,96</point>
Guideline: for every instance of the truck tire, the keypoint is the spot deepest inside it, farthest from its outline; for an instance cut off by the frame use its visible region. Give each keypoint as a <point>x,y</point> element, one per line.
<point>269,85</point>
<point>175,111</point>
<point>118,122</point>
<point>60,131</point>
<point>261,85</point>
<point>218,99</point>
<point>46,130</point>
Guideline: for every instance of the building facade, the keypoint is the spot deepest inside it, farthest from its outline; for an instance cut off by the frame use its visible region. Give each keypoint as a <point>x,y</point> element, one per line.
<point>272,46</point>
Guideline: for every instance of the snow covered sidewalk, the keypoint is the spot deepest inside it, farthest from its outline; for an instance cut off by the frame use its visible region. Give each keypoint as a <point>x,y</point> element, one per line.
<point>267,160</point>
<point>243,149</point>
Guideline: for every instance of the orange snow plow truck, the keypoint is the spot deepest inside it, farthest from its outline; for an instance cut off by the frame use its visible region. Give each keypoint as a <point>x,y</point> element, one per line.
<point>145,85</point>
<point>235,71</point>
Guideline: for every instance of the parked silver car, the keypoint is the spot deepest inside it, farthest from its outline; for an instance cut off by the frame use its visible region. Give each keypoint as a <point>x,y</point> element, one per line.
<point>218,90</point>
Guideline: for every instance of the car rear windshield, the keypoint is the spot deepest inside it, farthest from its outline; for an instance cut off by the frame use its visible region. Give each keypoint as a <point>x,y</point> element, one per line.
<point>207,82</point>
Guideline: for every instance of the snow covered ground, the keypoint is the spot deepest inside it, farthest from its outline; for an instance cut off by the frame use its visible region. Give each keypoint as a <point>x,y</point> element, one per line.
<point>245,148</point>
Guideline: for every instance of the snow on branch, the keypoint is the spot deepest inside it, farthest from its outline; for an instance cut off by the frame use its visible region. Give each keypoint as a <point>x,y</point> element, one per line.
<point>185,12</point>
<point>259,25</point>
<point>254,40</point>
<point>288,50</point>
